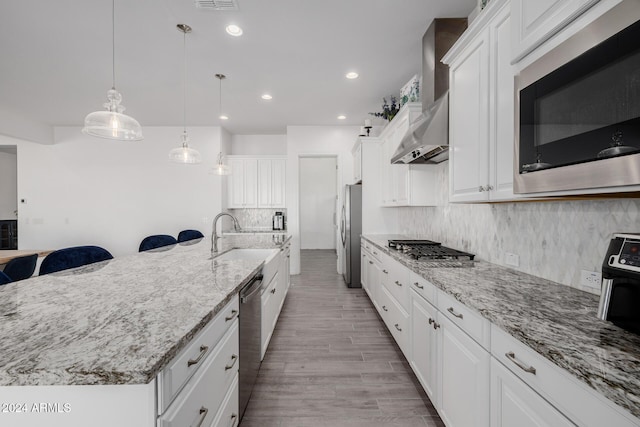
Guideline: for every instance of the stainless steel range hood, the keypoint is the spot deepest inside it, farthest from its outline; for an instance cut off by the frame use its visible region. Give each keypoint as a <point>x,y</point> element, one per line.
<point>427,140</point>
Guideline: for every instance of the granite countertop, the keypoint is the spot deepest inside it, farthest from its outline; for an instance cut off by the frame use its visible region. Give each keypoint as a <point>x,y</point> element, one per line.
<point>119,321</point>
<point>557,321</point>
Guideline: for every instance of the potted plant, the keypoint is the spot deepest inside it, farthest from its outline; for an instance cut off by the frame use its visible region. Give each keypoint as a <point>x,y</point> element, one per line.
<point>388,111</point>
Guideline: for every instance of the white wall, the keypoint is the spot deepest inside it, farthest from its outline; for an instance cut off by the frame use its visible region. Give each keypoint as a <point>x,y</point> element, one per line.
<point>8,185</point>
<point>14,125</point>
<point>85,190</point>
<point>309,140</point>
<point>255,145</point>
<point>318,191</point>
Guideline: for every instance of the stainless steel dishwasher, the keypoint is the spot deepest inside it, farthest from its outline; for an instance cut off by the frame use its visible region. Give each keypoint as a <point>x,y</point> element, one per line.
<point>250,344</point>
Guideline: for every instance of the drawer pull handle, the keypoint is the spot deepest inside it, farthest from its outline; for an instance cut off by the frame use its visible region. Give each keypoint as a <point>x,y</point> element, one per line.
<point>235,359</point>
<point>452,311</point>
<point>418,285</point>
<point>233,315</point>
<point>384,307</point>
<point>273,291</point>
<point>528,369</point>
<point>398,283</point>
<point>385,271</point>
<point>370,262</point>
<point>203,351</point>
<point>203,414</point>
<point>398,327</point>
<point>234,418</point>
<point>433,322</point>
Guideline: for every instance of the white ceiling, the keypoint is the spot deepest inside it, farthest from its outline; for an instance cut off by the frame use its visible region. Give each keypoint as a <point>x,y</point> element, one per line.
<point>55,59</point>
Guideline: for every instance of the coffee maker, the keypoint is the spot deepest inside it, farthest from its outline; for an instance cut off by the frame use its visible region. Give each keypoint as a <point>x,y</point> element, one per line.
<point>620,297</point>
<point>278,221</point>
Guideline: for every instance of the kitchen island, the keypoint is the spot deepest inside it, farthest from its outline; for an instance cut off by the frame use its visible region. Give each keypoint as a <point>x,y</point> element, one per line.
<point>109,329</point>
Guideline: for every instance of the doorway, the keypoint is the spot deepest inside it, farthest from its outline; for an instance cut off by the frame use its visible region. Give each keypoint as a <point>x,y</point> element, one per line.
<point>318,195</point>
<point>8,197</point>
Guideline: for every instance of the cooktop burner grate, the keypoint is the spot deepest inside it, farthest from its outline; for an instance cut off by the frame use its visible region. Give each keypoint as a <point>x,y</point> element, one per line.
<point>428,250</point>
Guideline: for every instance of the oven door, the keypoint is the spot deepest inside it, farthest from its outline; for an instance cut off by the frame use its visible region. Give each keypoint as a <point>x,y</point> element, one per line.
<point>577,119</point>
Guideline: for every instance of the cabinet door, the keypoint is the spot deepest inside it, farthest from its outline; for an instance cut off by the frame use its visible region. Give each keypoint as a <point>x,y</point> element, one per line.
<point>385,175</point>
<point>501,127</point>
<point>373,277</point>
<point>265,183</point>
<point>464,381</point>
<point>250,183</point>
<point>400,179</point>
<point>235,182</point>
<point>468,126</point>
<point>513,403</point>
<point>424,349</point>
<point>278,182</point>
<point>357,164</point>
<point>536,21</point>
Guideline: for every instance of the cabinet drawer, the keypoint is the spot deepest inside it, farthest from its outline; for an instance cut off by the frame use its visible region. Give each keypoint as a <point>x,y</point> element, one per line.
<point>186,363</point>
<point>396,319</point>
<point>229,415</point>
<point>468,320</point>
<point>575,400</point>
<point>423,287</point>
<point>205,392</point>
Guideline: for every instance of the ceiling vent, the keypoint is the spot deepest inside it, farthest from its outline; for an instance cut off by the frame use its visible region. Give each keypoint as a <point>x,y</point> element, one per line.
<point>222,5</point>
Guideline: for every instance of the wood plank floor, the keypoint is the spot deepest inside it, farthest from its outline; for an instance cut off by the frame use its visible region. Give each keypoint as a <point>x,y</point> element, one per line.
<point>332,363</point>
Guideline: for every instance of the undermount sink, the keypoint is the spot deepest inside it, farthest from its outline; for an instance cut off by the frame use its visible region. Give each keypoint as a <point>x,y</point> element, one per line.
<point>249,254</point>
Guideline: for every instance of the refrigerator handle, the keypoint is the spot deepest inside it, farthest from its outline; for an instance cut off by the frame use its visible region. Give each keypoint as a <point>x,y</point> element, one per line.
<point>343,224</point>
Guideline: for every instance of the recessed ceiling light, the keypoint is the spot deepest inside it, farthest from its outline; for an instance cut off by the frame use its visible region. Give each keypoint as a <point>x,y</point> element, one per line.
<point>267,97</point>
<point>342,117</point>
<point>352,75</point>
<point>234,30</point>
<point>223,117</point>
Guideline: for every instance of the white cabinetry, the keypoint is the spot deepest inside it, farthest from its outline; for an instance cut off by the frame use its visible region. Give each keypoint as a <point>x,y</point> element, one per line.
<point>404,185</point>
<point>513,403</point>
<point>357,162</point>
<point>273,295</point>
<point>482,109</point>
<point>271,183</point>
<point>256,182</point>
<point>424,346</point>
<point>536,21</point>
<point>242,183</point>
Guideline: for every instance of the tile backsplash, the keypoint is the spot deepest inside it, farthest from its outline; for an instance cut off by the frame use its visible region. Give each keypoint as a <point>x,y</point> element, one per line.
<point>554,240</point>
<point>253,219</point>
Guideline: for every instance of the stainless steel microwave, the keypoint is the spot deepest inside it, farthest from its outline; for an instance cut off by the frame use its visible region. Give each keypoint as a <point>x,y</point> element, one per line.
<point>578,110</point>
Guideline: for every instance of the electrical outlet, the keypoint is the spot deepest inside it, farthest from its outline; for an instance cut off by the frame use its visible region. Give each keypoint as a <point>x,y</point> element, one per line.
<point>512,259</point>
<point>590,279</point>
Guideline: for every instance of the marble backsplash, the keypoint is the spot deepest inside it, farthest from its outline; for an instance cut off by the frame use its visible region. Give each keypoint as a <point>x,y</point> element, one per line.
<point>554,240</point>
<point>253,219</point>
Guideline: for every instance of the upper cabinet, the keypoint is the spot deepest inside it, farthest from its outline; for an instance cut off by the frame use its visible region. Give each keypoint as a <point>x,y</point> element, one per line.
<point>256,182</point>
<point>404,185</point>
<point>271,183</point>
<point>481,116</point>
<point>534,22</point>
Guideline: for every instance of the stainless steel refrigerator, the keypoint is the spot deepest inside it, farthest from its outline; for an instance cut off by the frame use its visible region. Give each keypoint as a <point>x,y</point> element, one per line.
<point>350,230</point>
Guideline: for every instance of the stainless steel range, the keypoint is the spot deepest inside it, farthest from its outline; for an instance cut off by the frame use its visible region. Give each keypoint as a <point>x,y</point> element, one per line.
<point>427,250</point>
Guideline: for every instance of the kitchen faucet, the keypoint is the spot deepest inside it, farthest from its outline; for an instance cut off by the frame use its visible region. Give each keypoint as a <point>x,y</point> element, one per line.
<point>214,235</point>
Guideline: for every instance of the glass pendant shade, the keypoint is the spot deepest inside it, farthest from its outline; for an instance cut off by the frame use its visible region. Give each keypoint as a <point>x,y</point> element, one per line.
<point>111,123</point>
<point>184,154</point>
<point>220,168</point>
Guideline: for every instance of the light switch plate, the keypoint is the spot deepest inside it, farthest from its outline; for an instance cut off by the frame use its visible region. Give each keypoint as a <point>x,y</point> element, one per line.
<point>590,279</point>
<point>512,259</point>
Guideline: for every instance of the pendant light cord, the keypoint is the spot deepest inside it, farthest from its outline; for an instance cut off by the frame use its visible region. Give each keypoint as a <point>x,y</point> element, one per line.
<point>113,42</point>
<point>220,100</point>
<point>184,118</point>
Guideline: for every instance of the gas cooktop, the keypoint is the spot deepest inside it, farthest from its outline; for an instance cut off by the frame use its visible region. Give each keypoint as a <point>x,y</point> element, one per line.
<point>429,250</point>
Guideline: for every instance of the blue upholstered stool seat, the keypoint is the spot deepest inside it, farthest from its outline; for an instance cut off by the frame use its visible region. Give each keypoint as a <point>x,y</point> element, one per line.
<point>21,268</point>
<point>64,259</point>
<point>156,241</point>
<point>4,279</point>
<point>186,235</point>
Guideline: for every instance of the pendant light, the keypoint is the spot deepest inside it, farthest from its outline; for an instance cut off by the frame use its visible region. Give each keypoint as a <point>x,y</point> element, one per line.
<point>222,115</point>
<point>220,168</point>
<point>111,123</point>
<point>184,154</point>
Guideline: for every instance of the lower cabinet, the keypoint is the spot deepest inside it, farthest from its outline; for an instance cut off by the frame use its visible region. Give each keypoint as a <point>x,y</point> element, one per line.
<point>465,368</point>
<point>424,345</point>
<point>273,297</point>
<point>513,403</point>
